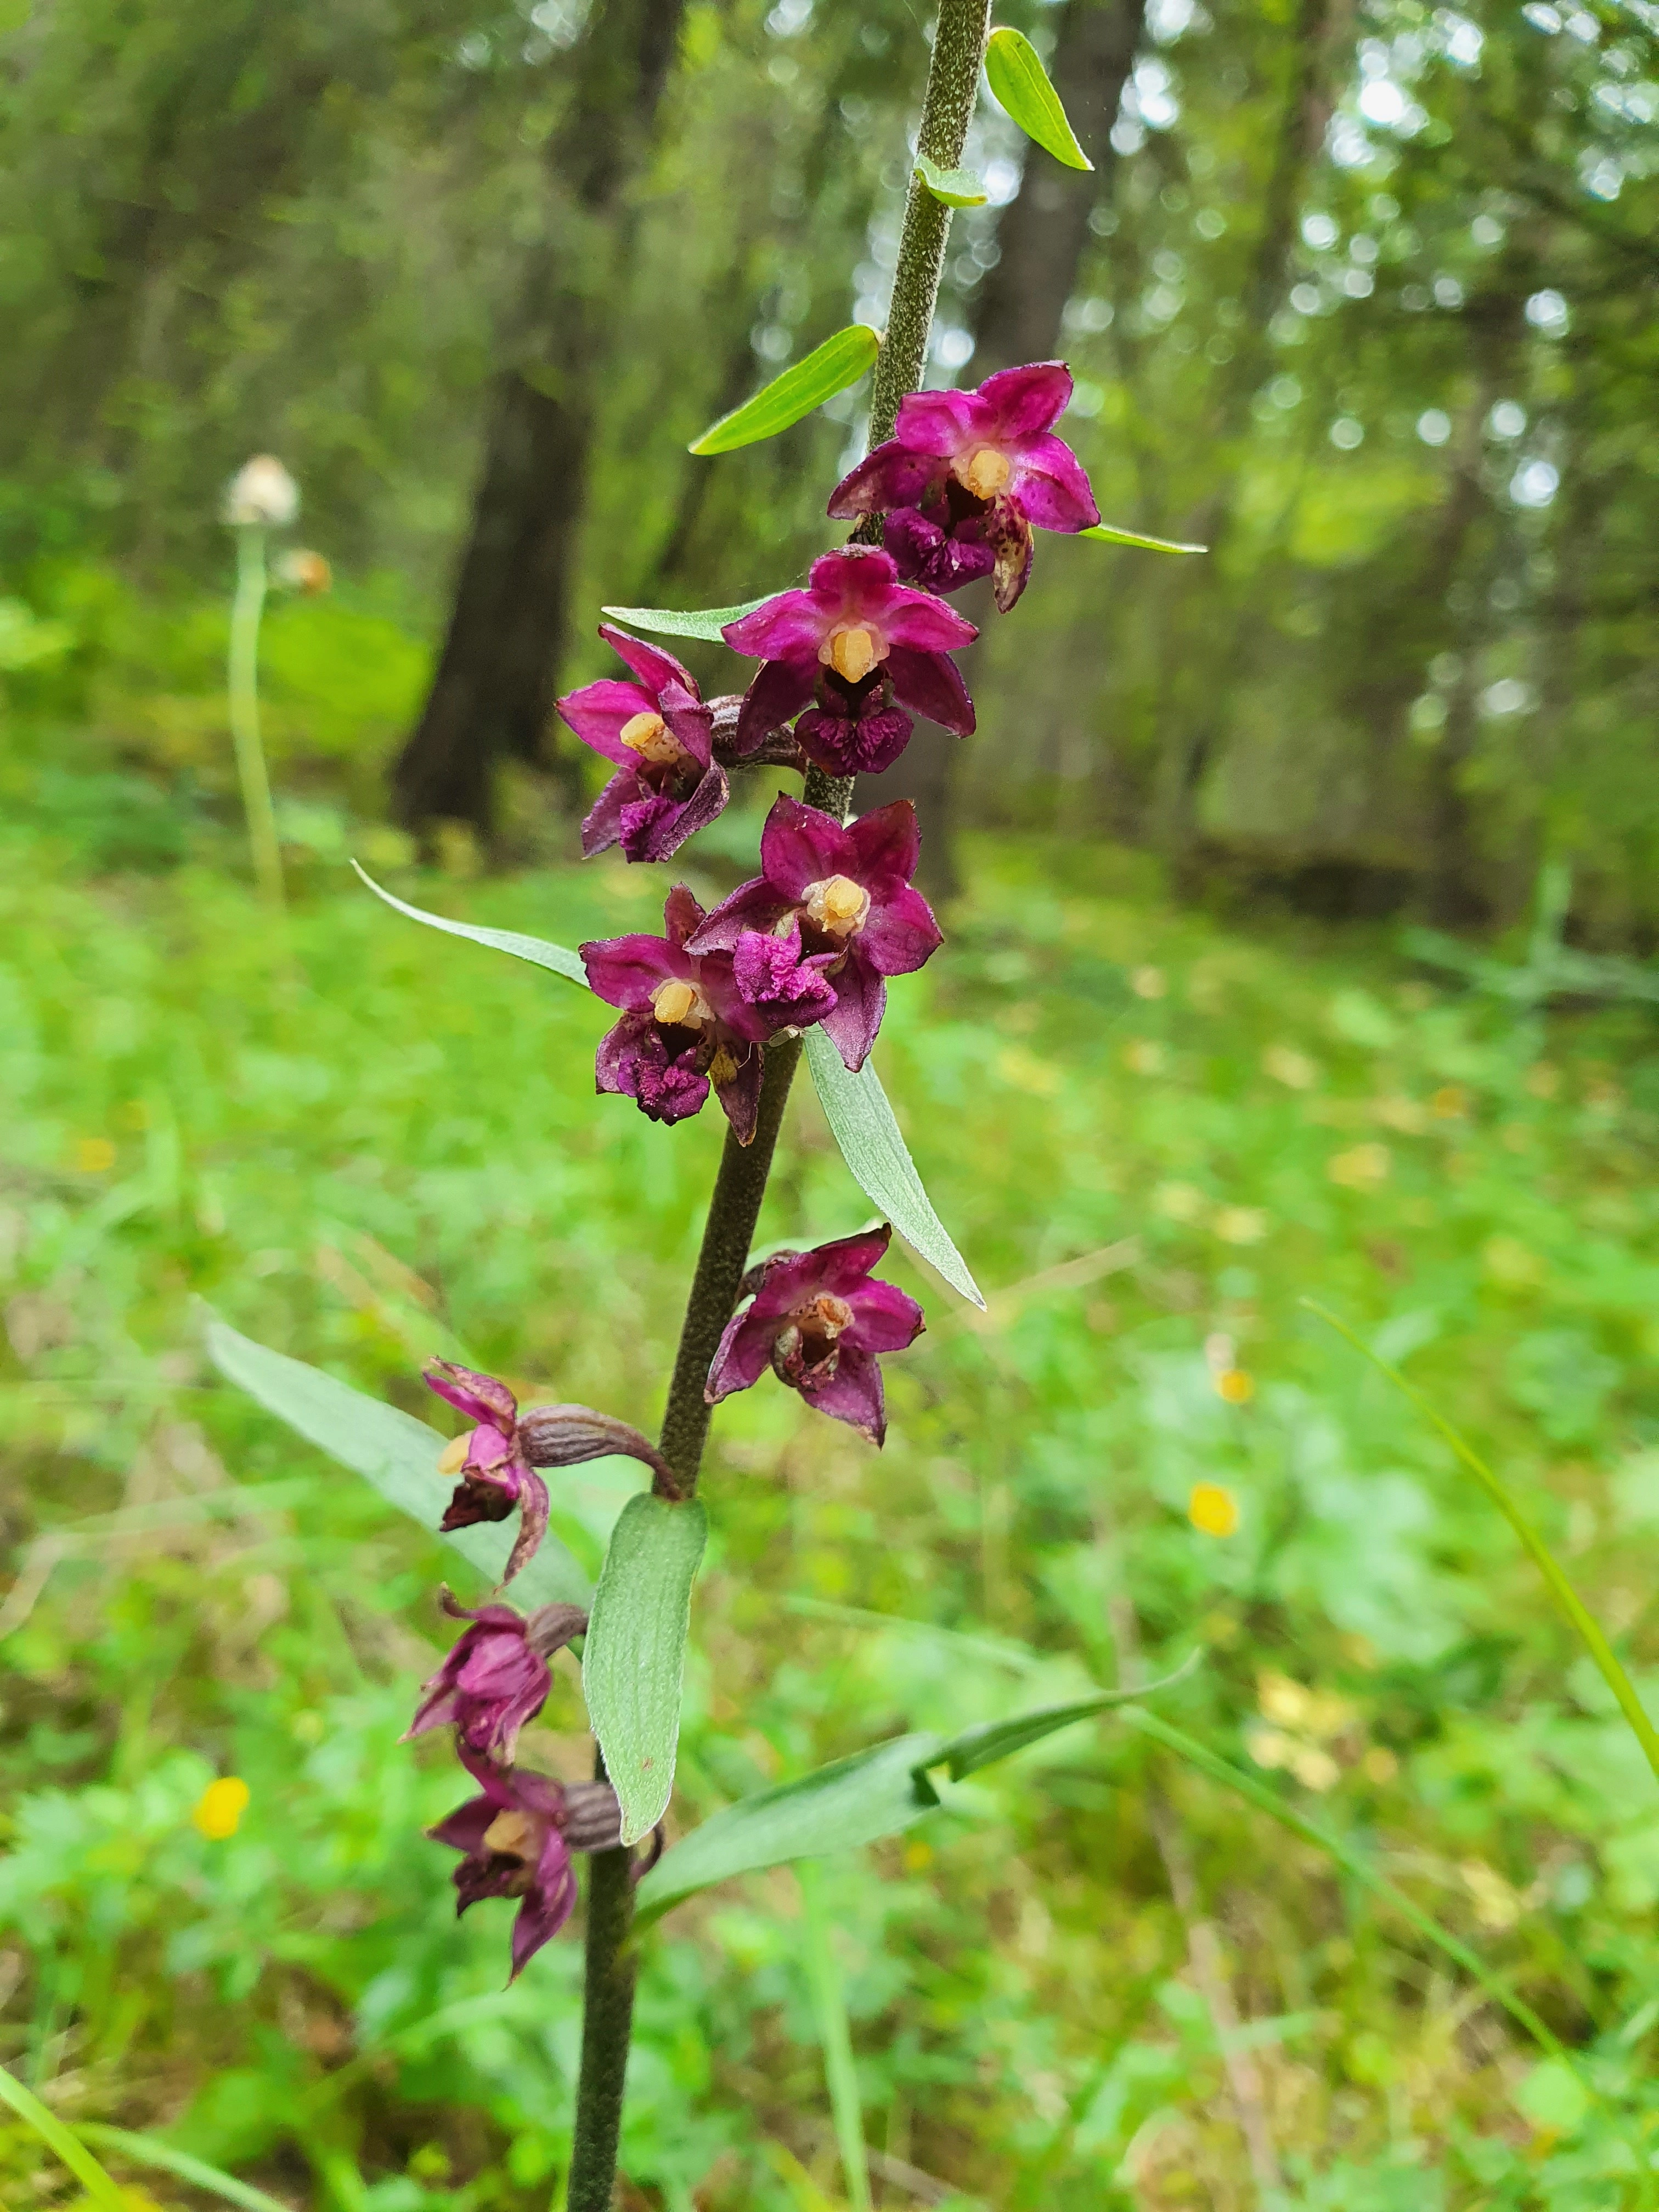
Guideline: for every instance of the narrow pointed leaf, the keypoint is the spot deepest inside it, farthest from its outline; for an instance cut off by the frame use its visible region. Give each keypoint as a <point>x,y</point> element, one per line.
<point>856,1110</point>
<point>857,1801</point>
<point>536,949</point>
<point>1021,84</point>
<point>704,622</point>
<point>395,1454</point>
<point>992,1740</point>
<point>150,2150</point>
<point>1109,535</point>
<point>58,2138</point>
<point>634,1660</point>
<point>826,370</point>
<point>951,187</point>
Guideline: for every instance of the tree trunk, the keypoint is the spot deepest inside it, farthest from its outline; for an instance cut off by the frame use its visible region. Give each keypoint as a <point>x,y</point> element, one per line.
<point>1043,236</point>
<point>492,694</point>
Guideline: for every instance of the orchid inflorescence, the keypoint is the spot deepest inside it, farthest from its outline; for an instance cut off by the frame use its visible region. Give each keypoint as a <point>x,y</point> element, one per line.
<point>845,663</point>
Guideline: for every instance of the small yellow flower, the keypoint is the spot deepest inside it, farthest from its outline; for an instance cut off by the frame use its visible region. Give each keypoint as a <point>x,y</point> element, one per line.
<point>1235,1386</point>
<point>94,1155</point>
<point>1212,1509</point>
<point>220,1807</point>
<point>1148,982</point>
<point>1361,1167</point>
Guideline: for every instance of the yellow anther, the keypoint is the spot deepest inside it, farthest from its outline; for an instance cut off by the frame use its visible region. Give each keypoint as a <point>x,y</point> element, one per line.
<point>511,1833</point>
<point>721,1068</point>
<point>679,1006</point>
<point>985,471</point>
<point>452,1458</point>
<point>853,652</point>
<point>650,737</point>
<point>837,906</point>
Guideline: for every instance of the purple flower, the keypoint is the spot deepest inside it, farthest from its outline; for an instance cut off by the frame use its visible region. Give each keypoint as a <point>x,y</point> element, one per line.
<point>843,895</point>
<point>660,735</point>
<point>855,641</point>
<point>496,1471</point>
<point>496,1676</point>
<point>818,1319</point>
<point>967,473</point>
<point>685,1023</point>
<point>517,1837</point>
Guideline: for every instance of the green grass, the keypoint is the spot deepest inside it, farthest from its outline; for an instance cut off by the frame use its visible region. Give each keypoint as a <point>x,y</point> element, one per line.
<point>1151,1136</point>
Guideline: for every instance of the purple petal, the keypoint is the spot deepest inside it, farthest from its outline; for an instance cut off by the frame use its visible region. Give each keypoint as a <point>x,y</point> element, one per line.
<point>852,581</point>
<point>893,476</point>
<point>463,1830</point>
<point>853,1393</point>
<point>632,1059</point>
<point>673,821</point>
<point>802,845</point>
<point>939,561</point>
<point>780,688</point>
<point>754,905</point>
<point>546,1907</point>
<point>655,669</point>
<point>924,624</point>
<point>624,971</point>
<point>879,850</point>
<point>690,722</point>
<point>842,1265</point>
<point>844,747</point>
<point>772,976</point>
<point>480,1397</point>
<point>532,1525</point>
<point>933,685</point>
<point>1014,543</point>
<point>598,711</point>
<point>884,1319</point>
<point>603,826</point>
<point>740,1095</point>
<point>789,627</point>
<point>1020,403</point>
<point>901,934</point>
<point>861,1000</point>
<point>745,1354</point>
<point>646,821</point>
<point>682,913</point>
<point>1049,483</point>
<point>938,423</point>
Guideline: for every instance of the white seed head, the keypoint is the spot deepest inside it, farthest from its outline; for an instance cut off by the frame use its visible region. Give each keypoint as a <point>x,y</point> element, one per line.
<point>262,493</point>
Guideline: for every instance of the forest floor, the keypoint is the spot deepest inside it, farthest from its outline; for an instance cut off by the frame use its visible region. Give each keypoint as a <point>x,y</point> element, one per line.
<point>1096,1978</point>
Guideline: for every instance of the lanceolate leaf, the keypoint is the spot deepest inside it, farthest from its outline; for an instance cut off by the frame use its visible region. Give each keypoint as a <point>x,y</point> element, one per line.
<point>393,1452</point>
<point>992,1740</point>
<point>704,622</point>
<point>634,1660</point>
<point>857,1801</point>
<point>1021,84</point>
<point>1110,536</point>
<point>57,2137</point>
<point>826,370</point>
<point>536,949</point>
<point>951,187</point>
<point>856,1110</point>
<point>151,2151</point>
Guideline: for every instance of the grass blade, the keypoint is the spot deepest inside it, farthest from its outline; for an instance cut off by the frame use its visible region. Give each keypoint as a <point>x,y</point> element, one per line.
<point>150,2150</point>
<point>1269,1802</point>
<point>829,2014</point>
<point>57,2137</point>
<point>1572,1605</point>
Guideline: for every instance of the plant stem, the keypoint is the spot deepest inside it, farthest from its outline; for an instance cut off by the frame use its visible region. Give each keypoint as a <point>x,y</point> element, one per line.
<point>740,1185</point>
<point>243,689</point>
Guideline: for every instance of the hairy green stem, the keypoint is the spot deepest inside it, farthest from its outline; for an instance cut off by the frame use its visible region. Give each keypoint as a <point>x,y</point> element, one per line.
<point>740,1186</point>
<point>243,685</point>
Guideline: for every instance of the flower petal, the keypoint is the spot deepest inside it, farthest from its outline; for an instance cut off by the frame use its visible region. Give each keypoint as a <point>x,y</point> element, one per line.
<point>740,1095</point>
<point>802,845</point>
<point>861,1000</point>
<point>547,1906</point>
<point>480,1397</point>
<point>598,711</point>
<point>933,685</point>
<point>886,846</point>
<point>842,1265</point>
<point>533,1505</point>
<point>463,1830</point>
<point>669,831</point>
<point>690,722</point>
<point>853,1393</point>
<point>901,934</point>
<point>924,624</point>
<point>624,971</point>
<point>940,423</point>
<point>884,1318</point>
<point>895,475</point>
<point>743,1356</point>
<point>754,905</point>
<point>780,688</point>
<point>1049,482</point>
<point>789,627</point>
<point>655,669</point>
<point>602,826</point>
<point>1020,403</point>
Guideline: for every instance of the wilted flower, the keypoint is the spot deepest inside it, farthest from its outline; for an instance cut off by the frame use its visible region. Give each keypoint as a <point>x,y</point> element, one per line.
<point>497,1461</point>
<point>685,1023</point>
<point>839,898</point>
<point>818,1319</point>
<point>659,733</point>
<point>517,1837</point>
<point>967,474</point>
<point>262,495</point>
<point>302,570</point>
<point>855,641</point>
<point>495,1676</point>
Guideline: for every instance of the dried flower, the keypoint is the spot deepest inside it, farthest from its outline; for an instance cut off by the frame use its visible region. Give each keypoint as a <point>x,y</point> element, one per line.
<point>967,474</point>
<point>262,496</point>
<point>862,648</point>
<point>839,899</point>
<point>495,1676</point>
<point>302,570</point>
<point>659,733</point>
<point>818,1319</point>
<point>685,1023</point>
<point>517,1836</point>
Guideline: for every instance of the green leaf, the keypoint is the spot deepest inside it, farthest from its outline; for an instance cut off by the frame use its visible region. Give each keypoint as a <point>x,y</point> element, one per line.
<point>1109,535</point>
<point>950,187</point>
<point>841,2074</point>
<point>1021,84</point>
<point>856,1110</point>
<point>705,622</point>
<point>393,1452</point>
<point>826,370</point>
<point>992,1740</point>
<point>1552,2096</point>
<point>150,2150</point>
<point>634,1660</point>
<point>856,1800</point>
<point>57,2137</point>
<point>536,949</point>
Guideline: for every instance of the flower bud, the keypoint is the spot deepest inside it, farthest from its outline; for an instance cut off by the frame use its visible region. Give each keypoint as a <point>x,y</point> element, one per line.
<point>262,495</point>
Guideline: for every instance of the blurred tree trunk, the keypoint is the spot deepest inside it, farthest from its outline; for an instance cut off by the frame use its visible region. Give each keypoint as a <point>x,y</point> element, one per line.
<point>1042,238</point>
<point>493,691</point>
